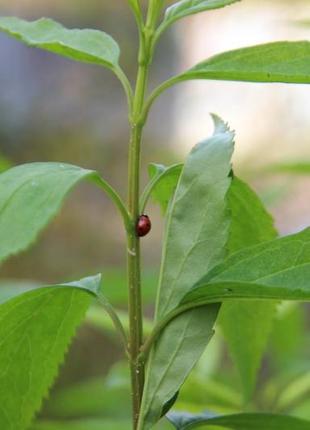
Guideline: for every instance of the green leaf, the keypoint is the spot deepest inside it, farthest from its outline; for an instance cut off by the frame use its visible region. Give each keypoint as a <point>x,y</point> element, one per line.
<point>273,62</point>
<point>239,421</point>
<point>190,7</point>
<point>202,188</point>
<point>194,243</point>
<point>164,181</point>
<point>36,328</point>
<point>30,196</point>
<point>277,270</point>
<point>247,324</point>
<point>251,223</point>
<point>87,46</point>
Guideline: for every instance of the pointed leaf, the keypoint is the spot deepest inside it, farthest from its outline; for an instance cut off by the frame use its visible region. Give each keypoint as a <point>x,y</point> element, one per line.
<point>194,243</point>
<point>190,7</point>
<point>273,62</point>
<point>277,270</point>
<point>30,196</point>
<point>201,190</point>
<point>35,331</point>
<point>87,46</point>
<point>247,324</point>
<point>238,422</point>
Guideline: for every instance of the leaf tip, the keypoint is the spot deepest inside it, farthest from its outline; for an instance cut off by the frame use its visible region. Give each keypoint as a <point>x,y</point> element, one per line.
<point>92,284</point>
<point>220,126</point>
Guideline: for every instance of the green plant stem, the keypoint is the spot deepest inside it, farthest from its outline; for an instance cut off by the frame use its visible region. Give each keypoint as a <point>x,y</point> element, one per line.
<point>134,277</point>
<point>136,9</point>
<point>133,242</point>
<point>137,121</point>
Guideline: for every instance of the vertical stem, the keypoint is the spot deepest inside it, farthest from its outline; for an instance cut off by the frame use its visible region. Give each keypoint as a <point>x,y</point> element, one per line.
<point>137,121</point>
<point>133,242</point>
<point>134,279</point>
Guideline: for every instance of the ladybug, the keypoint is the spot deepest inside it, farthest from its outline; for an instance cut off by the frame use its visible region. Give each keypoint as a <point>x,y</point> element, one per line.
<point>143,225</point>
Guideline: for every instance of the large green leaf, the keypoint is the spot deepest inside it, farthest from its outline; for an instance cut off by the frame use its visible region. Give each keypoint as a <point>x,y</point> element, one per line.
<point>36,328</point>
<point>194,243</point>
<point>190,7</point>
<point>30,196</point>
<point>239,422</point>
<point>247,324</point>
<point>273,62</point>
<point>277,270</point>
<point>88,46</point>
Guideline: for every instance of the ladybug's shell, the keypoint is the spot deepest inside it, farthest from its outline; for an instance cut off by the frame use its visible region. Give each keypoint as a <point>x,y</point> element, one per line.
<point>143,225</point>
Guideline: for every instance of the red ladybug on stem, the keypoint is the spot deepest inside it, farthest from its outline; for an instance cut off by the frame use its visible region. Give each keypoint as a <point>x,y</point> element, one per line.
<point>143,225</point>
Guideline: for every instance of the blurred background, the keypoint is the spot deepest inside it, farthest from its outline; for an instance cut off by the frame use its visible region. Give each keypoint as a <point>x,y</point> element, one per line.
<point>52,109</point>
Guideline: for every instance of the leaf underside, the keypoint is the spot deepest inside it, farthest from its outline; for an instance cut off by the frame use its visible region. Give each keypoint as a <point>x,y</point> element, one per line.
<point>184,421</point>
<point>30,196</point>
<point>194,242</point>
<point>88,46</point>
